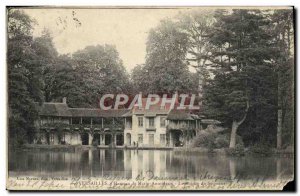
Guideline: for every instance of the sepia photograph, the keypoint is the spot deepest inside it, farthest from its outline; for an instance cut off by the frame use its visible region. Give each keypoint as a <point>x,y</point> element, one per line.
<point>150,98</point>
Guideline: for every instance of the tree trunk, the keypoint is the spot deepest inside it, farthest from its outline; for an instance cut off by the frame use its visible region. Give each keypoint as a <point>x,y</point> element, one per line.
<point>234,128</point>
<point>200,90</point>
<point>279,129</point>
<point>200,84</point>
<point>279,113</point>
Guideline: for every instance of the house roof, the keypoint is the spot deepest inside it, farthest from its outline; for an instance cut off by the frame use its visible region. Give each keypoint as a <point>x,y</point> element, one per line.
<point>62,110</point>
<point>128,114</point>
<point>94,112</point>
<point>176,114</point>
<point>153,110</point>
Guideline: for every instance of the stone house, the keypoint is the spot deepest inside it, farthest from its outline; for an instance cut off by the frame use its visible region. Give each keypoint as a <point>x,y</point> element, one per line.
<point>157,127</point>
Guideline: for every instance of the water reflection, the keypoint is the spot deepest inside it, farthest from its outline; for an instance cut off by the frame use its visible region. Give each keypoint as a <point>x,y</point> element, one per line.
<point>132,163</point>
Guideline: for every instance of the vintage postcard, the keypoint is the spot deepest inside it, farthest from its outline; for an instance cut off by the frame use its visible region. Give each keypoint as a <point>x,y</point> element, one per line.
<point>150,98</point>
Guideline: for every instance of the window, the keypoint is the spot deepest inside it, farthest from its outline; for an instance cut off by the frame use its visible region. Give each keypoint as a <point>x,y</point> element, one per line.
<point>140,119</point>
<point>151,122</point>
<point>140,138</point>
<point>162,121</point>
<point>162,139</point>
<point>151,139</point>
<point>128,123</point>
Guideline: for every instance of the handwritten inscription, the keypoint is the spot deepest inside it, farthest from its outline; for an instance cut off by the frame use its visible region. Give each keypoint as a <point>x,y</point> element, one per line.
<point>148,181</point>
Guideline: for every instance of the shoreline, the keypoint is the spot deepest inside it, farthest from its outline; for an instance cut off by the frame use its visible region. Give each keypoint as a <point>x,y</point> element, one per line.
<point>179,150</point>
<point>44,146</point>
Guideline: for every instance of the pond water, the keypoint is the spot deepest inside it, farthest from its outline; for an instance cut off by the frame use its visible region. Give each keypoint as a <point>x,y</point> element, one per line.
<point>152,163</point>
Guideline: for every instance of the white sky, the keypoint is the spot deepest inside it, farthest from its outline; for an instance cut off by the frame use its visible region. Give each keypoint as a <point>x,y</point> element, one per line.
<point>127,29</point>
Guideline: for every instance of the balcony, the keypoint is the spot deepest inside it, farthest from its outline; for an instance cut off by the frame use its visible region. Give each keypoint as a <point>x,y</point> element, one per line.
<point>180,125</point>
<point>110,126</point>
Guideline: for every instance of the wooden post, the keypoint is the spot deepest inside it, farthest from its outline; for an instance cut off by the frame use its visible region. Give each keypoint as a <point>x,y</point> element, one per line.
<point>115,139</point>
<point>104,139</point>
<point>171,139</point>
<point>90,138</point>
<point>100,139</point>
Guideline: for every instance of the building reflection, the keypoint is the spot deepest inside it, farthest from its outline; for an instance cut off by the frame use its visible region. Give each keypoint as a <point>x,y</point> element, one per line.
<point>145,163</point>
<point>130,164</point>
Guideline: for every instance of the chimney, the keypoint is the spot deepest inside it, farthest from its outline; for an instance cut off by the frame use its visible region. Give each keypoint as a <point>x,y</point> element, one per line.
<point>64,100</point>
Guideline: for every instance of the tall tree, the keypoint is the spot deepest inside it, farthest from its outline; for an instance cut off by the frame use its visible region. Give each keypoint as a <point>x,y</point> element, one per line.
<point>59,76</point>
<point>283,36</point>
<point>63,81</point>
<point>47,56</point>
<point>24,75</point>
<point>100,70</point>
<point>242,70</point>
<point>165,60</point>
<point>198,26</point>
<point>139,78</point>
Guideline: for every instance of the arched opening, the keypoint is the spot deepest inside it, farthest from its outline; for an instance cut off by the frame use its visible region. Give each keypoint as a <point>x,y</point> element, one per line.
<point>85,138</point>
<point>108,139</point>
<point>177,137</point>
<point>62,137</point>
<point>96,139</point>
<point>128,139</point>
<point>120,140</point>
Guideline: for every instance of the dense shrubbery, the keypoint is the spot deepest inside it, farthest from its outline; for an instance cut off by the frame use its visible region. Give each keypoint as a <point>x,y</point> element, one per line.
<point>204,139</point>
<point>212,140</point>
<point>262,150</point>
<point>239,150</point>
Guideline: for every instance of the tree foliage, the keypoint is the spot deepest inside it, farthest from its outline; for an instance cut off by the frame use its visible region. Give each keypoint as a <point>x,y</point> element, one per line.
<point>245,73</point>
<point>25,82</point>
<point>165,70</point>
<point>244,62</point>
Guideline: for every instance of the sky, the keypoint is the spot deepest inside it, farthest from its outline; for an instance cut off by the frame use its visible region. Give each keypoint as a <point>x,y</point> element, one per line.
<point>73,29</point>
<point>127,29</point>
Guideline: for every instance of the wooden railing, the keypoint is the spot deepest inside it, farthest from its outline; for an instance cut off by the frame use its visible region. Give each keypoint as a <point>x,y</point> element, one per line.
<point>181,125</point>
<point>111,126</point>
